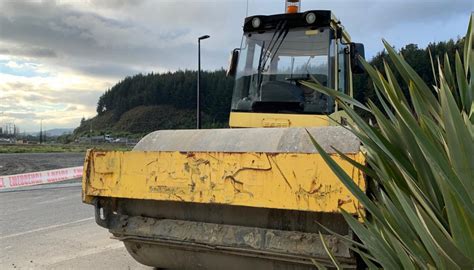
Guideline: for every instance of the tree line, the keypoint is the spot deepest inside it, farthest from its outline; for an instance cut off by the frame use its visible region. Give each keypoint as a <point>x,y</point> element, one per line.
<point>176,89</point>
<point>418,58</point>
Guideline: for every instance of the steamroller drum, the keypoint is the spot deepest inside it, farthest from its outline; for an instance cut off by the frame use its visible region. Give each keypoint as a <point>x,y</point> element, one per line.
<point>184,235</point>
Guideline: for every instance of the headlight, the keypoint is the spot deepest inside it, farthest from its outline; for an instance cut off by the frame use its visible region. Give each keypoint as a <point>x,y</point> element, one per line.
<point>256,22</point>
<point>310,18</point>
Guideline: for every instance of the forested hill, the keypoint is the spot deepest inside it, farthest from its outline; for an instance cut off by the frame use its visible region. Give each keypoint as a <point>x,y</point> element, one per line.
<point>144,103</point>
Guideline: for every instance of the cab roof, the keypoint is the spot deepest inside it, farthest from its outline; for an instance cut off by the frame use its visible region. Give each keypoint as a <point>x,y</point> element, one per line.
<point>324,18</point>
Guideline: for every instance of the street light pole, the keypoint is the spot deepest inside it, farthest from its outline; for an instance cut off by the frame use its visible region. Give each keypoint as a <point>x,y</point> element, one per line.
<point>41,132</point>
<point>198,94</point>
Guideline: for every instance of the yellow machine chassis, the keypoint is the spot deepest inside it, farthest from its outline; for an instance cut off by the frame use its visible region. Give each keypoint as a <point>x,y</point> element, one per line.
<point>278,120</point>
<point>285,180</point>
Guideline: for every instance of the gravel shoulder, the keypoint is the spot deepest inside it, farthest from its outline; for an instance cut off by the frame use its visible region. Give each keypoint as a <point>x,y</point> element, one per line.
<point>33,162</point>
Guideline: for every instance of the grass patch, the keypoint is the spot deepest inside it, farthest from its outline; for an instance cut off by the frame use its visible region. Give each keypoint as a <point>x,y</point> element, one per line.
<point>57,148</point>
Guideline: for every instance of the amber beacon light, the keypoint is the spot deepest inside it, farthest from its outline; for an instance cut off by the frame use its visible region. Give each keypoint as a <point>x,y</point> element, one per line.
<point>292,6</point>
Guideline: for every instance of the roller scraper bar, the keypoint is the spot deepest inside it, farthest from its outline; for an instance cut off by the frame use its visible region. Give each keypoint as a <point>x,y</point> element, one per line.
<point>263,140</point>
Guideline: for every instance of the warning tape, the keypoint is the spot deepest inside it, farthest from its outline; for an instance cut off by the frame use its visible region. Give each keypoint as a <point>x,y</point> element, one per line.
<point>38,178</point>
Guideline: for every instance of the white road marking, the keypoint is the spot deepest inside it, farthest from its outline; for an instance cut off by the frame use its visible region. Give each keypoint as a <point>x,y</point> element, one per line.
<point>58,259</point>
<point>45,228</point>
<point>78,195</point>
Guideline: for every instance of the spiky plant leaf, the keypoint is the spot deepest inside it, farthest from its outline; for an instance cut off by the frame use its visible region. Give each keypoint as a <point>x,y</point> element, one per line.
<point>420,158</point>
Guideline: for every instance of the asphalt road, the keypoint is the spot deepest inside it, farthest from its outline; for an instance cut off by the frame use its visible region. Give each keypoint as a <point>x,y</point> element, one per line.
<point>48,227</point>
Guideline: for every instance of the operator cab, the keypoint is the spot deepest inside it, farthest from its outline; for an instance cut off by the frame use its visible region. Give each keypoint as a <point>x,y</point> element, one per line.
<point>280,50</point>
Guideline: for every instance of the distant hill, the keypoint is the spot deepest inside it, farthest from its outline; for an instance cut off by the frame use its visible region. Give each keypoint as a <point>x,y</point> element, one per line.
<point>55,132</point>
<point>58,131</point>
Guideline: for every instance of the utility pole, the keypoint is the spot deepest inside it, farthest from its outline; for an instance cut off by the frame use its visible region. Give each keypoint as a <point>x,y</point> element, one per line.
<point>198,97</point>
<point>41,132</point>
<point>247,13</point>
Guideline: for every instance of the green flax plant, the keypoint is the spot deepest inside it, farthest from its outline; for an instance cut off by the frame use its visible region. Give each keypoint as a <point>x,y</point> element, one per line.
<point>420,163</point>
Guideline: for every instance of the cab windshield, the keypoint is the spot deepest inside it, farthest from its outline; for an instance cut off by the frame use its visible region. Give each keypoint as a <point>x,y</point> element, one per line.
<point>270,66</point>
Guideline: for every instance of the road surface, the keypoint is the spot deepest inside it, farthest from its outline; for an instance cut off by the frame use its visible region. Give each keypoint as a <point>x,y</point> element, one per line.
<point>48,227</point>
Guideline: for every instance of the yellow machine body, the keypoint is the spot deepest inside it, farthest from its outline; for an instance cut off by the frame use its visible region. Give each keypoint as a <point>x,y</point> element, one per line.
<point>247,196</point>
<point>273,120</point>
<point>257,195</point>
<point>239,179</point>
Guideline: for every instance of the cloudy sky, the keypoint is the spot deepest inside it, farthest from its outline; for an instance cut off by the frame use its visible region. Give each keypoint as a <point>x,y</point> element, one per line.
<point>58,57</point>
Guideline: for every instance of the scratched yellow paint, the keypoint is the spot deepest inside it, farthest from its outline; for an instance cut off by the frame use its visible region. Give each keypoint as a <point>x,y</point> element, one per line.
<point>249,120</point>
<point>284,181</point>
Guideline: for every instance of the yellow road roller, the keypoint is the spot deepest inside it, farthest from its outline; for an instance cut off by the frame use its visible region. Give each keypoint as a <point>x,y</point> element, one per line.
<point>255,195</point>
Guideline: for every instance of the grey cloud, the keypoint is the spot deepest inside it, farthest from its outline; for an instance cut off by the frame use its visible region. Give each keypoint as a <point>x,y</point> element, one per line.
<point>28,51</point>
<point>63,109</point>
<point>85,38</point>
<point>36,97</point>
<point>118,38</point>
<point>383,15</point>
<point>62,26</point>
<point>90,43</point>
<point>162,34</point>
<point>22,115</point>
<point>8,103</point>
<point>17,86</point>
<point>71,108</point>
<point>18,93</point>
<point>116,4</point>
<point>106,70</point>
<point>77,97</point>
